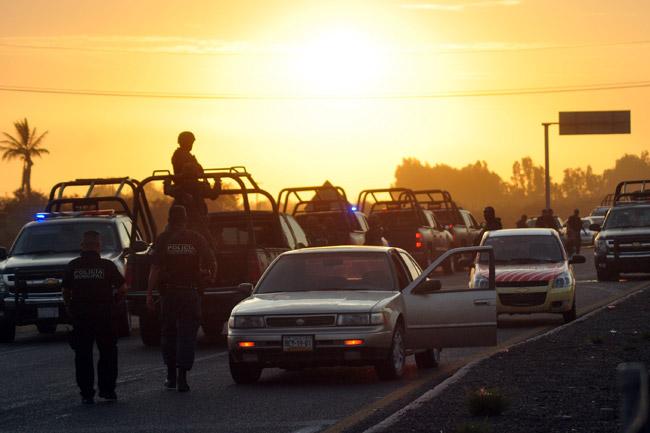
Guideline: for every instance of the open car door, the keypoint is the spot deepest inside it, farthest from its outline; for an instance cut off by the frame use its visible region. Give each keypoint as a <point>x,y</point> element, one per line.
<point>442,311</point>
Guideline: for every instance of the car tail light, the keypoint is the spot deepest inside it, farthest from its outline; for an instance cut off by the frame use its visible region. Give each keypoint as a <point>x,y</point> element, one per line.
<point>418,240</point>
<point>246,344</point>
<point>353,342</point>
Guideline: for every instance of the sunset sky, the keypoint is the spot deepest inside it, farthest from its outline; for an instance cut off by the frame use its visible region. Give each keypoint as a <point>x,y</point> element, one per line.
<point>302,91</point>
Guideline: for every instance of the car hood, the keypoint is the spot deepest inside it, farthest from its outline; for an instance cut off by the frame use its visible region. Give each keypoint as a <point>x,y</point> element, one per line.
<point>49,261</point>
<point>317,302</point>
<point>631,232</point>
<point>531,272</point>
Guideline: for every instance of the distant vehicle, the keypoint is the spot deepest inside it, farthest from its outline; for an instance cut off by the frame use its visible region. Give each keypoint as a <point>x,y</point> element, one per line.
<point>31,272</point>
<point>356,306</point>
<point>406,224</point>
<point>623,242</point>
<point>247,241</point>
<point>462,225</point>
<point>325,215</point>
<point>533,272</point>
<point>531,222</point>
<point>600,211</point>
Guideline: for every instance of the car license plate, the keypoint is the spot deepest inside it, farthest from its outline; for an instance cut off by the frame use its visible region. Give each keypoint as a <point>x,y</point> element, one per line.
<point>48,313</point>
<point>298,343</point>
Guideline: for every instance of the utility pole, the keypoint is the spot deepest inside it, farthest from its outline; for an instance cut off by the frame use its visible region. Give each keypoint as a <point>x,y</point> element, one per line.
<point>546,163</point>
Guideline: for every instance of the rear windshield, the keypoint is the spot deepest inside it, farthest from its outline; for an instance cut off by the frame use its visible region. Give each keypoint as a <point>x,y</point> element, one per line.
<point>234,230</point>
<point>525,249</point>
<point>63,237</point>
<point>628,217</point>
<point>328,271</point>
<point>405,219</point>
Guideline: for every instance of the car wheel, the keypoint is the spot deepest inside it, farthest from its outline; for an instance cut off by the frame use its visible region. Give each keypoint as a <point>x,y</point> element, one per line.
<point>150,329</point>
<point>606,275</point>
<point>46,328</point>
<point>393,366</point>
<point>427,359</point>
<point>244,373</point>
<point>7,331</point>
<point>570,315</point>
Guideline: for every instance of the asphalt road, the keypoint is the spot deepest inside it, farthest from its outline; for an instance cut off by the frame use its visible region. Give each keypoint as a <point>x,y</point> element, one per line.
<point>38,393</point>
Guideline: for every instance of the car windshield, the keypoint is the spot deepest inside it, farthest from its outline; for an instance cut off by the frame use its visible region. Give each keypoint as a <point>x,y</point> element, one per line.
<point>627,217</point>
<point>524,249</point>
<point>328,271</point>
<point>62,237</point>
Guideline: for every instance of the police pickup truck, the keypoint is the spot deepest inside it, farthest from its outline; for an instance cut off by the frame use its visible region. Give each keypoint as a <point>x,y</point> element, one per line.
<point>406,224</point>
<point>246,232</point>
<point>623,242</point>
<point>325,215</point>
<point>31,271</point>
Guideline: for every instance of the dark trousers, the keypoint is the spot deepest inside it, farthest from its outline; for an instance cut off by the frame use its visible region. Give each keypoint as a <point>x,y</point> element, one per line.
<point>90,327</point>
<point>179,322</point>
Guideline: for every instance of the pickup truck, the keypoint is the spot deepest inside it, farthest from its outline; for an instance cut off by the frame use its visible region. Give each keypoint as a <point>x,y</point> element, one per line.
<point>325,214</point>
<point>247,236</point>
<point>31,272</point>
<point>406,224</point>
<point>459,222</point>
<point>622,244</point>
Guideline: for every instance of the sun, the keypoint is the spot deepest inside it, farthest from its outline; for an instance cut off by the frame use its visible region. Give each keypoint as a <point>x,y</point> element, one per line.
<point>338,62</point>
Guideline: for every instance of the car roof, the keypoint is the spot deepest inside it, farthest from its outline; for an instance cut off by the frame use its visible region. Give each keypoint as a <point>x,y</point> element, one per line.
<point>76,219</point>
<point>522,232</point>
<point>343,249</point>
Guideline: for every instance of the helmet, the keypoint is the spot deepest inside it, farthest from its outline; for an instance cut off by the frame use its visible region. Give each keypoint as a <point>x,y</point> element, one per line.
<point>186,137</point>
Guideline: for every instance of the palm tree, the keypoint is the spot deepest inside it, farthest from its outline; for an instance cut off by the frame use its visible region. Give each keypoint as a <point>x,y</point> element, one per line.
<point>26,147</point>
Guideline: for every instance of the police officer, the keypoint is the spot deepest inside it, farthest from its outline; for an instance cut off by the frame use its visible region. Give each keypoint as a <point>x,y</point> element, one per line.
<point>179,255</point>
<point>182,159</point>
<point>491,223</point>
<point>522,222</point>
<point>91,288</point>
<point>574,227</point>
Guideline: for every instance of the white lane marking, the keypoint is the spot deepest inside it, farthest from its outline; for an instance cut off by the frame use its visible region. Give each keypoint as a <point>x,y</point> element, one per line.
<point>440,388</point>
<point>313,428</point>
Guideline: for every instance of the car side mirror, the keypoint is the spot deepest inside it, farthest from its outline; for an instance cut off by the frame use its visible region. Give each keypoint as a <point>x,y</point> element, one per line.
<point>245,288</point>
<point>577,259</point>
<point>3,253</point>
<point>594,227</point>
<point>428,286</point>
<point>138,246</point>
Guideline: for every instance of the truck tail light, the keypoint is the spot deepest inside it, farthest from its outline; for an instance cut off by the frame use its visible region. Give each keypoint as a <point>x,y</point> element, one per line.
<point>418,240</point>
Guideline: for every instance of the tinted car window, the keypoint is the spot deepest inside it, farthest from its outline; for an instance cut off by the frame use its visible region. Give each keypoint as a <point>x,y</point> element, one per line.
<point>402,278</point>
<point>52,237</point>
<point>328,271</point>
<point>413,268</point>
<point>627,217</point>
<point>525,249</point>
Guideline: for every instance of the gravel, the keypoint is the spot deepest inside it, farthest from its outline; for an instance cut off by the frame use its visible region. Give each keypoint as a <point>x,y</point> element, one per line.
<point>563,382</point>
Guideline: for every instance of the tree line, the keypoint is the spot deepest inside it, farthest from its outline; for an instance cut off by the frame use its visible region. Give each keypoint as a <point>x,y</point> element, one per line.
<point>475,186</point>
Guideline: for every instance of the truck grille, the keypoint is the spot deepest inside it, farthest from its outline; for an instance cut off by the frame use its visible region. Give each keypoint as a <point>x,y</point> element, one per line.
<point>300,321</point>
<point>42,281</point>
<point>522,299</point>
<point>631,244</point>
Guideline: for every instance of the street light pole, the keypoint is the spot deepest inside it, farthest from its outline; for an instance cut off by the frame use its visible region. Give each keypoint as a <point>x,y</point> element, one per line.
<point>546,162</point>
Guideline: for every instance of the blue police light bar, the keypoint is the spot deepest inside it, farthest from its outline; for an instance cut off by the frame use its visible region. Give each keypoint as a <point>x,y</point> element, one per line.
<point>40,216</point>
<point>354,208</point>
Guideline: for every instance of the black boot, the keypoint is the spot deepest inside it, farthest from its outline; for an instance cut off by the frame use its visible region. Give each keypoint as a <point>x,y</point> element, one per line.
<point>182,381</point>
<point>170,382</point>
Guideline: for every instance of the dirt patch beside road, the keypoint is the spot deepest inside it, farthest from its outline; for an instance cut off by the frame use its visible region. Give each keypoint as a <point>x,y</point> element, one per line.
<point>563,382</point>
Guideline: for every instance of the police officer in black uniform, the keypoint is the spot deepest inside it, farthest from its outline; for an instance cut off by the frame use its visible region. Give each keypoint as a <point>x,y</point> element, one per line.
<point>92,287</point>
<point>179,256</point>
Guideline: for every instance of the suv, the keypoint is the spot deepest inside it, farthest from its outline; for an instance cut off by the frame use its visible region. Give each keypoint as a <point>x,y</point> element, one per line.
<point>325,214</point>
<point>407,225</point>
<point>247,236</point>
<point>623,242</point>
<point>31,272</point>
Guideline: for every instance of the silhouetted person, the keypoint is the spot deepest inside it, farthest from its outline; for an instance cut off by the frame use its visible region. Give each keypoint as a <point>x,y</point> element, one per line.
<point>522,222</point>
<point>540,221</point>
<point>182,157</point>
<point>574,227</point>
<point>550,221</point>
<point>375,233</point>
<point>178,258</point>
<point>92,287</point>
<point>492,222</point>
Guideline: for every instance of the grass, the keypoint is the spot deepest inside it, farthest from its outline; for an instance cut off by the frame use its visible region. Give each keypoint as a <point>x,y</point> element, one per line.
<point>473,427</point>
<point>486,402</point>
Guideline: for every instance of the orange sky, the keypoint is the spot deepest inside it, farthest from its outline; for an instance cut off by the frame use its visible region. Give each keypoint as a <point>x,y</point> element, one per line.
<point>298,63</point>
